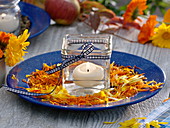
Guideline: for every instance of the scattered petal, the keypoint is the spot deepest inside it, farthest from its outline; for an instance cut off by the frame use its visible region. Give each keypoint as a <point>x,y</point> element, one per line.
<point>132,123</point>
<point>155,124</point>
<point>109,122</point>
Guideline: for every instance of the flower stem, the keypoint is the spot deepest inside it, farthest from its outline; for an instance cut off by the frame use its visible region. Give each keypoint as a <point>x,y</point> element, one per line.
<point>132,41</point>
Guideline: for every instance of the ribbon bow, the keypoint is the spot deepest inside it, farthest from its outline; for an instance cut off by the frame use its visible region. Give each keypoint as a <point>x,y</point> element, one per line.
<point>87,49</point>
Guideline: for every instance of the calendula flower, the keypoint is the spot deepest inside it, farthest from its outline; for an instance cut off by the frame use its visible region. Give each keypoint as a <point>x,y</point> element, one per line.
<point>167,17</point>
<point>134,8</point>
<point>15,49</point>
<point>161,38</point>
<point>147,30</point>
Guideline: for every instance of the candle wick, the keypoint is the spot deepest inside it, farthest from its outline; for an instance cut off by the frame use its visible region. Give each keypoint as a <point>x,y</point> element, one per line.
<point>87,70</point>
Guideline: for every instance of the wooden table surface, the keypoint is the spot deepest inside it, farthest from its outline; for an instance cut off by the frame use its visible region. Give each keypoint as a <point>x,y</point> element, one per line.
<point>18,113</point>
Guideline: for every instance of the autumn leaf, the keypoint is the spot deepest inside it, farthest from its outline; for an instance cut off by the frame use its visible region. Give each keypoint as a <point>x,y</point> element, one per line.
<point>88,5</point>
<point>109,30</point>
<point>115,20</point>
<point>94,19</point>
<point>107,13</point>
<point>132,24</point>
<point>119,20</point>
<point>83,17</point>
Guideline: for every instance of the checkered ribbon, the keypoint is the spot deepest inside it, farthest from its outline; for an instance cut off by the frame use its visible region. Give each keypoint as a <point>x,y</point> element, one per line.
<point>92,57</point>
<point>23,92</point>
<point>87,49</point>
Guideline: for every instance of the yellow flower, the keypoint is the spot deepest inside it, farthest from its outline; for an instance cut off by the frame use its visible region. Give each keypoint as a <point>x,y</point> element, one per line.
<point>15,49</point>
<point>161,38</point>
<point>167,17</point>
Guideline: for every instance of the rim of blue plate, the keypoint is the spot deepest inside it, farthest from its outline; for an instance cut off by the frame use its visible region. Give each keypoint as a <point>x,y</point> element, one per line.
<point>39,18</point>
<point>126,59</point>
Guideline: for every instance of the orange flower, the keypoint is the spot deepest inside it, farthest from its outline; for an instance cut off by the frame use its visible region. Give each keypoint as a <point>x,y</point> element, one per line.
<point>167,17</point>
<point>1,53</point>
<point>147,30</point>
<point>134,8</point>
<point>4,37</point>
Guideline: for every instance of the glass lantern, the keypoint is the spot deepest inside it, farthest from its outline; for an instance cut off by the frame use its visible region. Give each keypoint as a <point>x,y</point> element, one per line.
<point>91,74</point>
<point>10,16</point>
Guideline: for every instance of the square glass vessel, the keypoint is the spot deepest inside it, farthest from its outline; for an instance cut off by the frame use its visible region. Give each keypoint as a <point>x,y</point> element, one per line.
<point>91,73</point>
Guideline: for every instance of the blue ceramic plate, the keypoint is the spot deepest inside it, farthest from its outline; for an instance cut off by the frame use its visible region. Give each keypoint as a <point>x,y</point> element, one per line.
<point>40,20</point>
<point>152,72</point>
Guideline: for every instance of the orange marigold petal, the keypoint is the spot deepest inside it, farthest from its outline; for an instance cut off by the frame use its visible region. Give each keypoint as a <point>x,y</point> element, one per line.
<point>167,17</point>
<point>125,80</point>
<point>147,30</point>
<point>4,37</point>
<point>1,53</point>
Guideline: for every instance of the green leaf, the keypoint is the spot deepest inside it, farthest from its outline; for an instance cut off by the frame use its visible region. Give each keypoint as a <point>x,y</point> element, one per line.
<point>123,7</point>
<point>157,2</point>
<point>153,9</point>
<point>162,9</point>
<point>149,2</point>
<point>163,4</point>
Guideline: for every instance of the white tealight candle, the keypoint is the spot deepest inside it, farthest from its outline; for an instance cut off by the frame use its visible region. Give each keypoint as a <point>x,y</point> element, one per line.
<point>88,74</point>
<point>8,23</point>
